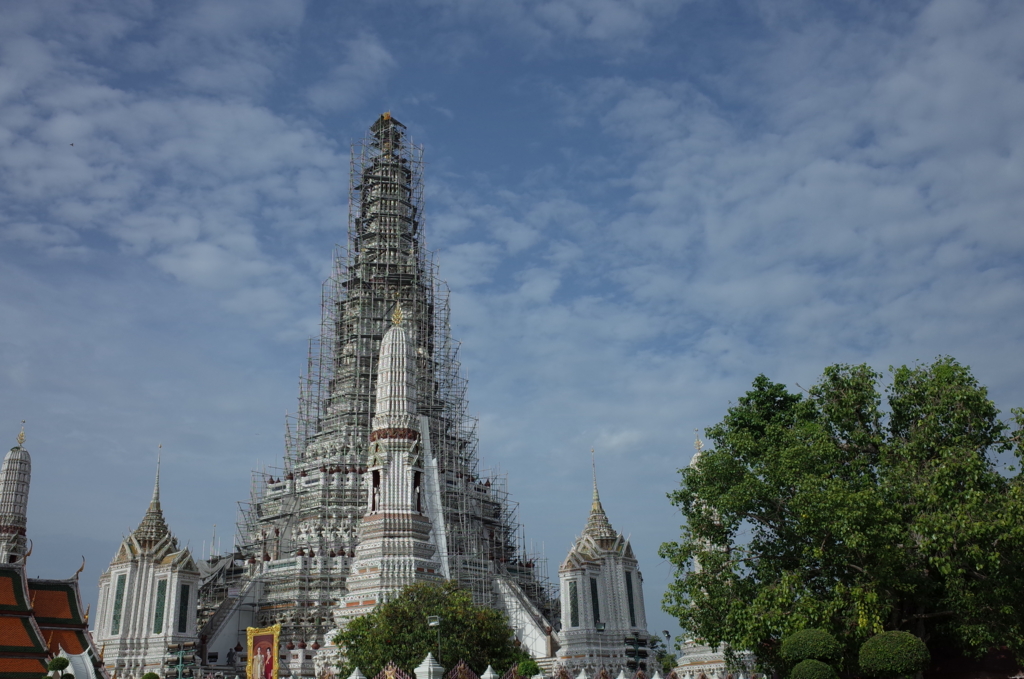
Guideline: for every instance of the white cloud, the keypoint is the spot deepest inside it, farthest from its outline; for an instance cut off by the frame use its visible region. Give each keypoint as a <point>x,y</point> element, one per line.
<point>648,236</point>
<point>363,71</point>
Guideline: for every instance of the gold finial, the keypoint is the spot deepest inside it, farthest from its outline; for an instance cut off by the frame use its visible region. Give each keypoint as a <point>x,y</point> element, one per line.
<point>396,315</point>
<point>698,444</point>
<point>21,436</point>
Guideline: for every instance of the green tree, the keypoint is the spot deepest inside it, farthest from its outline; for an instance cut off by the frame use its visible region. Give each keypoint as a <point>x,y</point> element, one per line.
<point>663,658</point>
<point>830,511</point>
<point>397,631</point>
<point>528,668</point>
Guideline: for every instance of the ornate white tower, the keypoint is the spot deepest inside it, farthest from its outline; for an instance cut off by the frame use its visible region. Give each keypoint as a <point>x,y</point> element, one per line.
<point>603,619</point>
<point>14,479</point>
<point>697,659</point>
<point>147,597</point>
<point>395,547</point>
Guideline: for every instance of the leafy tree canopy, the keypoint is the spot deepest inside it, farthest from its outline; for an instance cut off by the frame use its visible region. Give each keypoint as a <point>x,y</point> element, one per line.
<point>663,657</point>
<point>830,511</point>
<point>397,631</point>
<point>529,668</point>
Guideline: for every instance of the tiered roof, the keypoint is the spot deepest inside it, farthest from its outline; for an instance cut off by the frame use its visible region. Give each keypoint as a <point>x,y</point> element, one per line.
<point>153,538</point>
<point>57,606</point>
<point>38,619</point>
<point>598,537</point>
<point>23,650</point>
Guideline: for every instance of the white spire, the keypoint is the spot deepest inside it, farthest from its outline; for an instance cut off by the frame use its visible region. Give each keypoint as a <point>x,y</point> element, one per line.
<point>155,502</point>
<point>396,378</point>
<point>699,446</point>
<point>429,668</point>
<point>15,476</point>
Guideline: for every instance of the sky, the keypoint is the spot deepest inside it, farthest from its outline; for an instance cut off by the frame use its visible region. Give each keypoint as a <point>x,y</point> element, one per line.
<point>638,205</point>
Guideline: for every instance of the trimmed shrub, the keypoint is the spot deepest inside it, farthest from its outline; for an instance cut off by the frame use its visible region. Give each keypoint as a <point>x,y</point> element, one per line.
<point>812,669</point>
<point>150,675</point>
<point>811,644</point>
<point>891,655</point>
<point>58,664</point>
<point>528,668</point>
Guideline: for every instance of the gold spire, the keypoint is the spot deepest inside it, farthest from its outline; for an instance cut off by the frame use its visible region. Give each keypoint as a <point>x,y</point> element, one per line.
<point>396,315</point>
<point>21,436</point>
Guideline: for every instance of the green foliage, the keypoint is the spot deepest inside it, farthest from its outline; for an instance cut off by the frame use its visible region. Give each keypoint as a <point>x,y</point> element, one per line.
<point>528,668</point>
<point>662,656</point>
<point>830,511</point>
<point>150,675</point>
<point>811,644</point>
<point>58,664</point>
<point>812,669</point>
<point>397,631</point>
<point>891,655</point>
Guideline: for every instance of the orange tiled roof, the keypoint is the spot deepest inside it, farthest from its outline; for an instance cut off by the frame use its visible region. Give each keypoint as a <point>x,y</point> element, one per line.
<point>14,633</point>
<point>18,666</point>
<point>7,597</point>
<point>51,603</point>
<point>68,639</point>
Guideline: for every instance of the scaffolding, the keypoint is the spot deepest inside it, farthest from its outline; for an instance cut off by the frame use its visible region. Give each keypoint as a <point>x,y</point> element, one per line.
<point>298,532</point>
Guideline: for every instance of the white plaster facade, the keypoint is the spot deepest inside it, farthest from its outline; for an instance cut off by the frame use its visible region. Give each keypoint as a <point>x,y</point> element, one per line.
<point>699,661</point>
<point>602,599</point>
<point>396,546</point>
<point>15,475</point>
<point>147,598</point>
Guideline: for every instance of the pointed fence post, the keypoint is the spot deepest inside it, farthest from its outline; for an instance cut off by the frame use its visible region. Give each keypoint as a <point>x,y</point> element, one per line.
<point>429,668</point>
<point>489,673</point>
<point>356,674</point>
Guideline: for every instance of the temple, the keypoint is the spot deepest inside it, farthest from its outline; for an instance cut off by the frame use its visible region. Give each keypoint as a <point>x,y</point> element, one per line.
<point>311,524</point>
<point>39,619</point>
<point>379,487</point>
<point>397,546</point>
<point>604,624</point>
<point>147,596</point>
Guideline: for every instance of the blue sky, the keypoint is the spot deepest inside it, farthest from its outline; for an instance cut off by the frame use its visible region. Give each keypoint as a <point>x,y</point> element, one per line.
<point>639,206</point>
